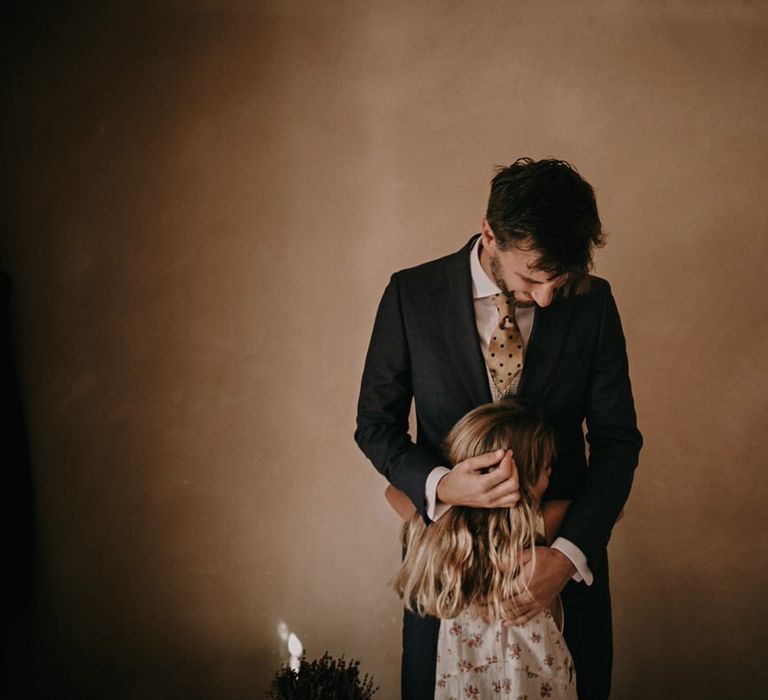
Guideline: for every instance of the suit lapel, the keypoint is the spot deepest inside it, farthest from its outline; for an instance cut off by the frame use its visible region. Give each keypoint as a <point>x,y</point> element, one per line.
<point>457,318</point>
<point>456,315</point>
<point>550,329</point>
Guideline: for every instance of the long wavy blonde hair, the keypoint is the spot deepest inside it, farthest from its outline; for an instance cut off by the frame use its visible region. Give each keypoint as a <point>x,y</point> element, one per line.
<point>470,557</point>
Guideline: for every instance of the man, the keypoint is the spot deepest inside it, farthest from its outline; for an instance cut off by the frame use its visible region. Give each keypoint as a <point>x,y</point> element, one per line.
<point>513,313</point>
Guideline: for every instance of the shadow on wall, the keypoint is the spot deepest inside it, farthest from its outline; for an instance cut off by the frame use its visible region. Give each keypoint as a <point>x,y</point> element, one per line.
<point>16,485</point>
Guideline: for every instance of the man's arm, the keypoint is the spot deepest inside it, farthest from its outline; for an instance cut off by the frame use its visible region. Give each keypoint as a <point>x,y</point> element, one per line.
<point>614,442</point>
<point>553,569</point>
<point>382,426</point>
<point>553,514</point>
<point>385,402</point>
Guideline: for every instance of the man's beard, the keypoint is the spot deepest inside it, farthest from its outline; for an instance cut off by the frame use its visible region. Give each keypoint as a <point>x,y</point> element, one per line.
<point>502,285</point>
<point>496,274</point>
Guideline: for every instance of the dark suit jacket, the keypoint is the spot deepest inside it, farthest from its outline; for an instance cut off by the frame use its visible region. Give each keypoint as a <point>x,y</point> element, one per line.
<point>425,346</point>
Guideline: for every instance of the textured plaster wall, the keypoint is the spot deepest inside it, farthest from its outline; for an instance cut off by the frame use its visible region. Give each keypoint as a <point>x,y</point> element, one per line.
<point>200,206</point>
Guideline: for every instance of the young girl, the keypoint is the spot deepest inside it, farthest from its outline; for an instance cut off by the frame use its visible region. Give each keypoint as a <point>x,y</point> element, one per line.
<point>463,567</point>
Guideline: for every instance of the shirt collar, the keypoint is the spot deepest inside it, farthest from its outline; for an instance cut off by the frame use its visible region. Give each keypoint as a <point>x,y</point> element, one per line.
<point>482,285</point>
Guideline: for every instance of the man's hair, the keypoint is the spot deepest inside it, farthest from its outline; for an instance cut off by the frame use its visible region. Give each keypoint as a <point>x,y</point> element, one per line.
<point>548,205</point>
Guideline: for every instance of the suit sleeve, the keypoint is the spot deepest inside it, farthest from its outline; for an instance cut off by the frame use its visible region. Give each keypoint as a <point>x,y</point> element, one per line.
<point>386,392</point>
<point>614,442</point>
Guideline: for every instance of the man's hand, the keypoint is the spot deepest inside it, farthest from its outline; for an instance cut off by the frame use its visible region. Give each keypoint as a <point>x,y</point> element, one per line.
<point>553,571</point>
<point>467,484</point>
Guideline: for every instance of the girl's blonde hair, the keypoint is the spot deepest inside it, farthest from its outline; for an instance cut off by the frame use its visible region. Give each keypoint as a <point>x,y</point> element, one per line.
<point>469,558</point>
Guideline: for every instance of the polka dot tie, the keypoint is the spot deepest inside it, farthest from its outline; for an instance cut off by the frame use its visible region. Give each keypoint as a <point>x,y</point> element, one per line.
<point>505,349</point>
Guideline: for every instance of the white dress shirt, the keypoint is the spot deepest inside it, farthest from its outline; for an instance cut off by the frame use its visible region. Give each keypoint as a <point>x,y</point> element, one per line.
<point>487,319</point>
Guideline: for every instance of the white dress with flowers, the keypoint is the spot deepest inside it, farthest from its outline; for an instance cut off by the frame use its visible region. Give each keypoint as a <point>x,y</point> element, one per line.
<point>476,659</point>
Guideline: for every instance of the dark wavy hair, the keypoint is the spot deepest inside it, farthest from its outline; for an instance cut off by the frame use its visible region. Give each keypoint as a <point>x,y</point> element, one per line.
<point>548,204</point>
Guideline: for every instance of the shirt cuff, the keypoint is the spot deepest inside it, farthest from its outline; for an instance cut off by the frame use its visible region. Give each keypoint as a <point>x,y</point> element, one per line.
<point>577,558</point>
<point>435,509</point>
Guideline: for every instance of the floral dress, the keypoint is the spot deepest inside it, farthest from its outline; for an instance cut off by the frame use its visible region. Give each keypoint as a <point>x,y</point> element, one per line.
<point>476,659</point>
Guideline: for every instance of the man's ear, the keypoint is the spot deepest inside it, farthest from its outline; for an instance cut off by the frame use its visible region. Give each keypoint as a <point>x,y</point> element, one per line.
<point>487,236</point>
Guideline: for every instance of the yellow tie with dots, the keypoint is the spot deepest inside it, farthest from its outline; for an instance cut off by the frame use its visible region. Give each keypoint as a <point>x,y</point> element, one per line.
<point>505,349</point>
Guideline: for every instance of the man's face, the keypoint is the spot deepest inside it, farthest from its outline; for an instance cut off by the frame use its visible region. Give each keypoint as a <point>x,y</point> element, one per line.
<point>514,271</point>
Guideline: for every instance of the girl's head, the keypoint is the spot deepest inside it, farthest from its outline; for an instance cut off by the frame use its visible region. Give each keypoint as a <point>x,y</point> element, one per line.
<point>506,425</point>
<point>470,557</point>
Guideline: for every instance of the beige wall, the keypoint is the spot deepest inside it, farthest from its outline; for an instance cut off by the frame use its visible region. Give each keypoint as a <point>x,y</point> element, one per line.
<point>185,193</point>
